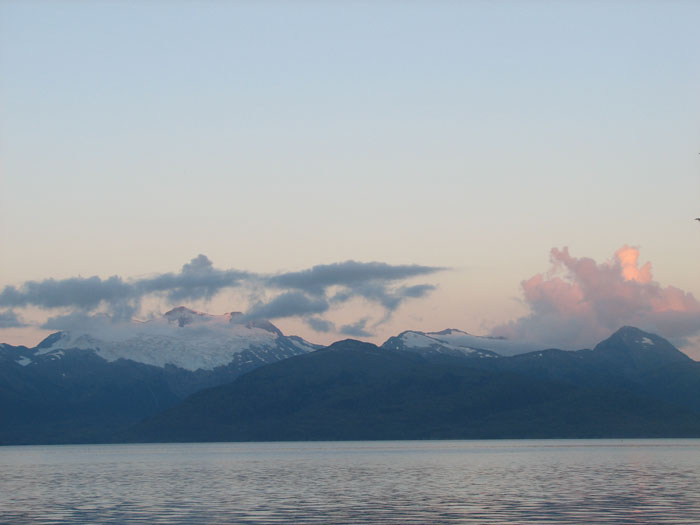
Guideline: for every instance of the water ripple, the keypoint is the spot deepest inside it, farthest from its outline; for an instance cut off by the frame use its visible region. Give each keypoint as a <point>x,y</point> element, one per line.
<point>635,481</point>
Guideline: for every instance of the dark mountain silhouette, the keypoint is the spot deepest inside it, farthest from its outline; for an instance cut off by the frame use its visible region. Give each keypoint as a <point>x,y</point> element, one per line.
<point>354,390</point>
<point>65,390</point>
<point>416,386</point>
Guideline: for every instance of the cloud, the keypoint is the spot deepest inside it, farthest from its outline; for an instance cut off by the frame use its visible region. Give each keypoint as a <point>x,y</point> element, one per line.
<point>308,293</point>
<point>389,298</point>
<point>197,279</point>
<point>341,282</point>
<point>319,324</point>
<point>85,293</point>
<point>579,302</point>
<point>373,281</point>
<point>10,319</point>
<point>419,290</point>
<point>113,329</point>
<point>356,329</point>
<point>350,274</point>
<point>76,320</point>
<point>288,304</point>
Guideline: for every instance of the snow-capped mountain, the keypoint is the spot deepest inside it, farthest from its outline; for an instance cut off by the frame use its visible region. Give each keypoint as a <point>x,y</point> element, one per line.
<point>633,384</point>
<point>457,342</point>
<point>90,382</point>
<point>182,337</point>
<point>93,382</point>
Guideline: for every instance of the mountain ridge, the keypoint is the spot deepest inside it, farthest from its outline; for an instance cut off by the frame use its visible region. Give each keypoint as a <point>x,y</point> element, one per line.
<point>355,390</point>
<point>83,387</point>
<point>181,337</point>
<point>58,393</point>
<point>452,341</point>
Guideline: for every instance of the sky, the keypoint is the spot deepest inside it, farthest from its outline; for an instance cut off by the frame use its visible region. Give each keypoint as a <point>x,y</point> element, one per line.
<point>353,168</point>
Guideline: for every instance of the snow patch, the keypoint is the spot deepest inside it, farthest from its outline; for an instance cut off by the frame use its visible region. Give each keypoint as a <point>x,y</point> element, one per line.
<point>418,340</point>
<point>647,341</point>
<point>202,341</point>
<point>500,346</point>
<point>303,345</point>
<point>23,361</point>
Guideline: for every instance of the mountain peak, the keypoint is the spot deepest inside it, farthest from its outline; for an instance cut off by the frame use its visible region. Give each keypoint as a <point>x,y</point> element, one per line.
<point>632,336</point>
<point>182,315</point>
<point>264,324</point>
<point>450,331</point>
<point>641,347</point>
<point>352,344</point>
<point>631,331</point>
<point>50,340</point>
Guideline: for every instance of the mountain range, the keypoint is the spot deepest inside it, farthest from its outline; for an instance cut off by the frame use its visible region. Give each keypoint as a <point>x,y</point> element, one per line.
<point>85,386</point>
<point>191,376</point>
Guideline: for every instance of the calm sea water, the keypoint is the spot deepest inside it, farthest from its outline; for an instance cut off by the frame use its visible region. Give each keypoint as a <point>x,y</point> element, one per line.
<point>628,481</point>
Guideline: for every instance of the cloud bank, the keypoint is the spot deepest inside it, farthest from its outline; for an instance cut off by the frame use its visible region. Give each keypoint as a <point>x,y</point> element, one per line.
<point>356,329</point>
<point>197,279</point>
<point>10,319</point>
<point>308,294</point>
<point>579,302</point>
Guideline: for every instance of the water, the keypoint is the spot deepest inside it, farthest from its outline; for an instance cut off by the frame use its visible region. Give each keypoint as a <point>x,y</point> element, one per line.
<point>572,481</point>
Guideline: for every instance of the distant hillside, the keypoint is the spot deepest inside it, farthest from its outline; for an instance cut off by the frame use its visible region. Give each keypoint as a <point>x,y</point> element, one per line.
<point>86,386</point>
<point>456,342</point>
<point>354,390</point>
<point>194,376</point>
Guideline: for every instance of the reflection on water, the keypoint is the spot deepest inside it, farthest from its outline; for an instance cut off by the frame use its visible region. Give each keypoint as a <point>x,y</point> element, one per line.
<point>629,481</point>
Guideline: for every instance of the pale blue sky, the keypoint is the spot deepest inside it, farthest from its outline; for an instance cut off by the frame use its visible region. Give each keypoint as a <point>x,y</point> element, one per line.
<point>277,135</point>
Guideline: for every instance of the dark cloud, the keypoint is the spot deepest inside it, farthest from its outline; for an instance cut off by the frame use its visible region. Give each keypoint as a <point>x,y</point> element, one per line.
<point>9,319</point>
<point>356,329</point>
<point>78,292</point>
<point>198,279</point>
<point>305,293</point>
<point>419,290</point>
<point>350,274</point>
<point>74,320</point>
<point>389,298</point>
<point>289,304</point>
<point>319,324</point>
<point>374,281</point>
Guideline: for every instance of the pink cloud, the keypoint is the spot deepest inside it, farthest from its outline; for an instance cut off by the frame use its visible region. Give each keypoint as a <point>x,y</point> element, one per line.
<point>578,302</point>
